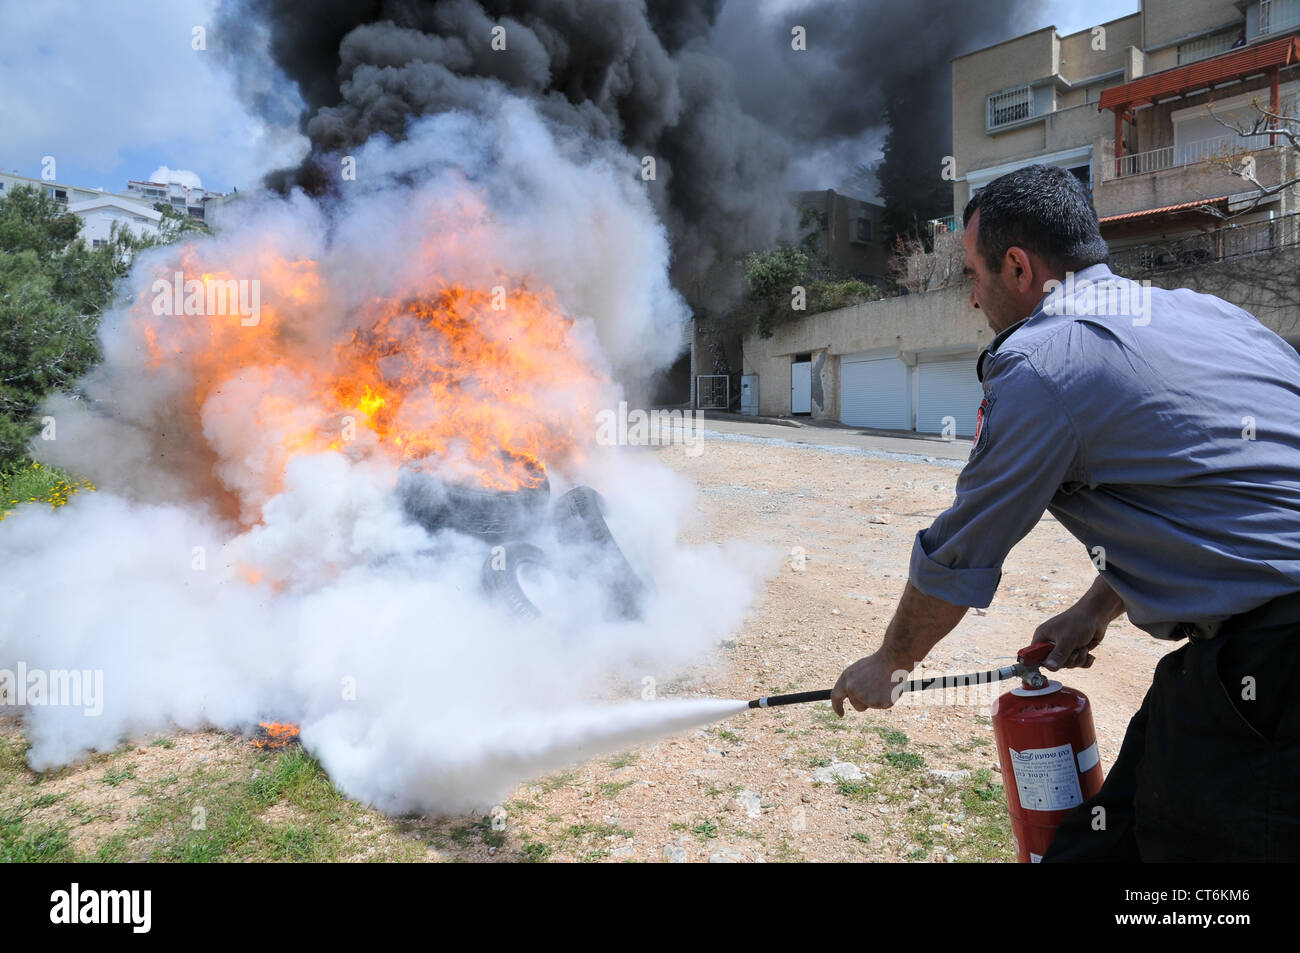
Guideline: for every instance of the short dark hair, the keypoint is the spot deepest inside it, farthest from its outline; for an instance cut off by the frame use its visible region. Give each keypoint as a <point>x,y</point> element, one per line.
<point>1040,208</point>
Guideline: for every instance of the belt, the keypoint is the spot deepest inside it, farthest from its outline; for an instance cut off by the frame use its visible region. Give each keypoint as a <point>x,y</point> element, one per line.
<point>1287,606</point>
<point>1199,631</point>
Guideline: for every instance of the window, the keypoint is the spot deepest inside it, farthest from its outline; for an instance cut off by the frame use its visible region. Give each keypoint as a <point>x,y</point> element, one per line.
<point>1011,105</point>
<point>1206,46</point>
<point>98,243</point>
<point>862,230</point>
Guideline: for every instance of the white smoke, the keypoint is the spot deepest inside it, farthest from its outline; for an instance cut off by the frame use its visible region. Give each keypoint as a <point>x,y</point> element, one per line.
<point>415,690</point>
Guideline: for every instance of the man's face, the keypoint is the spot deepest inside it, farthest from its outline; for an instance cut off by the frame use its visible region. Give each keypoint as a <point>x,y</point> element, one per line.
<point>990,290</point>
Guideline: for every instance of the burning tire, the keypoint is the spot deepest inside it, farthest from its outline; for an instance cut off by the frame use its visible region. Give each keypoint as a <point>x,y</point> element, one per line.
<point>579,520</point>
<point>500,577</point>
<point>493,515</point>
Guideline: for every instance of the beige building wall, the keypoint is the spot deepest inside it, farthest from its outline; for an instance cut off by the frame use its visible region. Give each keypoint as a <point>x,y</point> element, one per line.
<point>1165,22</point>
<point>939,322</point>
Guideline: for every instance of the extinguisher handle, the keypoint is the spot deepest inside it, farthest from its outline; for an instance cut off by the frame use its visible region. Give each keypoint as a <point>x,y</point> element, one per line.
<point>1035,654</point>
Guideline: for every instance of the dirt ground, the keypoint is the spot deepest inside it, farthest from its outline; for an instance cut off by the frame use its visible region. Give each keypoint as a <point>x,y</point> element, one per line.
<point>919,782</point>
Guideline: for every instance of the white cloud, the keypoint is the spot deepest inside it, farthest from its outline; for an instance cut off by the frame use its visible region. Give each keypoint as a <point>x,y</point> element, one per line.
<point>184,177</point>
<point>93,84</point>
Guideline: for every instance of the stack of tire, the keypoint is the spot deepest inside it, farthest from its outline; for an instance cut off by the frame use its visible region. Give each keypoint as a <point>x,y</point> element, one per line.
<point>504,518</point>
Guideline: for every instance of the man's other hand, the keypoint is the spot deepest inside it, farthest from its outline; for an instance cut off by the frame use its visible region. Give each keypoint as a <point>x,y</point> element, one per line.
<point>868,683</point>
<point>1075,633</point>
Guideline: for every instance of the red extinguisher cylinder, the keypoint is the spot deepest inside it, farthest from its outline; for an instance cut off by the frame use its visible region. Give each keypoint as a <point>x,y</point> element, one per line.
<point>1047,746</point>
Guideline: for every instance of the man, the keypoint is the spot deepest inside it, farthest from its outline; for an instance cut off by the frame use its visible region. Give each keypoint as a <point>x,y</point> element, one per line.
<point>1162,429</point>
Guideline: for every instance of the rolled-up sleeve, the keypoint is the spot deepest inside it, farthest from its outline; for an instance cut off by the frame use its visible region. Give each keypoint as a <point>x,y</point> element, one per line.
<point>1026,448</point>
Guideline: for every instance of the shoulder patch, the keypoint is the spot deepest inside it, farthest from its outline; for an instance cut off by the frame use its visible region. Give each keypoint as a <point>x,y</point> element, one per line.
<point>981,423</point>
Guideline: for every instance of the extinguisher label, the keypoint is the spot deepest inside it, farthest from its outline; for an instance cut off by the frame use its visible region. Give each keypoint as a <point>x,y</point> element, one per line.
<point>1088,758</point>
<point>1046,778</point>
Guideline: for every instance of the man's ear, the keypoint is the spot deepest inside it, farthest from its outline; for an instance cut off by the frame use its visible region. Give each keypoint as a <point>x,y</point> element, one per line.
<point>1020,268</point>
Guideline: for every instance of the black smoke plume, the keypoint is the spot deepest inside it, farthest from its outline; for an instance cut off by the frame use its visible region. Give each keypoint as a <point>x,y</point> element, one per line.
<point>712,90</point>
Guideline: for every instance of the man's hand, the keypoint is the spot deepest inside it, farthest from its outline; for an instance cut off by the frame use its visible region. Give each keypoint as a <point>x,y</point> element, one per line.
<point>867,683</point>
<point>1079,629</point>
<point>1075,633</point>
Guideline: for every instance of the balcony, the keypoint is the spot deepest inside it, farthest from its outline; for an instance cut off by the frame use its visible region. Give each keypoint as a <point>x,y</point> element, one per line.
<point>1220,244</point>
<point>1183,154</point>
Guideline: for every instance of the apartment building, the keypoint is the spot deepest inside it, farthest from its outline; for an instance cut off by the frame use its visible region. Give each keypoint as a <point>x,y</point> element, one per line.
<point>1146,110</point>
<point>1136,108</point>
<point>182,198</point>
<point>849,236</point>
<point>97,209</point>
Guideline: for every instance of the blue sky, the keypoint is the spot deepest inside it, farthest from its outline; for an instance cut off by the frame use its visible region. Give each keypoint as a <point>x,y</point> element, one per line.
<point>113,89</point>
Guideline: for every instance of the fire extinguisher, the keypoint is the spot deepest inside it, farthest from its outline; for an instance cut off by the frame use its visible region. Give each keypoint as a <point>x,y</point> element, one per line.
<point>1048,749</point>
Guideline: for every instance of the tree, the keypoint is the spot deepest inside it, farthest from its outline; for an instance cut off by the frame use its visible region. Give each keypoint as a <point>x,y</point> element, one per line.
<point>919,269</point>
<point>52,290</point>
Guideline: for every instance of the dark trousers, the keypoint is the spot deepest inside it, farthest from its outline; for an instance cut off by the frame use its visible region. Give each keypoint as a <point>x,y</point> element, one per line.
<point>1206,772</point>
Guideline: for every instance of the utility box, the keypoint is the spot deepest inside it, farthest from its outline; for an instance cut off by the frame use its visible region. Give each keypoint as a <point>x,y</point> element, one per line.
<point>749,395</point>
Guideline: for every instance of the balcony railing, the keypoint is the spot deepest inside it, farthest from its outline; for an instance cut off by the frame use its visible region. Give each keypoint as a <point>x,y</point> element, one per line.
<point>1276,16</point>
<point>1222,244</point>
<point>937,226</point>
<point>1186,153</point>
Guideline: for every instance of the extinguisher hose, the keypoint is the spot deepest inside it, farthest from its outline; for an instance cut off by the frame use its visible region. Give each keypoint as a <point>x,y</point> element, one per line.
<point>914,685</point>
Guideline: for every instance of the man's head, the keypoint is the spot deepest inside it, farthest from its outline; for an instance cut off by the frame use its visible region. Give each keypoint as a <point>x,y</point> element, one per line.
<point>1023,230</point>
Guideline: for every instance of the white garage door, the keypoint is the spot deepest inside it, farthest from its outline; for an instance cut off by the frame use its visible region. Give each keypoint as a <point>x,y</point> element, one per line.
<point>874,393</point>
<point>947,389</point>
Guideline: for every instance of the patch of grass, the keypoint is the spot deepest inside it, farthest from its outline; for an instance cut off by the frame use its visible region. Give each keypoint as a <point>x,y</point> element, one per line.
<point>113,850</point>
<point>296,843</point>
<point>24,844</point>
<point>295,777</point>
<point>907,760</point>
<point>705,830</point>
<point>623,760</point>
<point>858,790</point>
<point>536,853</point>
<point>893,737</point>
<point>820,762</point>
<point>579,831</point>
<point>727,735</point>
<point>862,838</point>
<point>124,773</point>
<point>557,781</point>
<point>611,789</point>
<point>13,758</point>
<point>162,743</point>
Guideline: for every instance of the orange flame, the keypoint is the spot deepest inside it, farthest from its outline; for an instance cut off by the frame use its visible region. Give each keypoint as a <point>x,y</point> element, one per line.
<point>273,734</point>
<point>483,386</point>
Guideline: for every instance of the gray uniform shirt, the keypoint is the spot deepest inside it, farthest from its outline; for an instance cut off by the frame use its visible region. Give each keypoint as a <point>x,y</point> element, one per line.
<point>1161,428</point>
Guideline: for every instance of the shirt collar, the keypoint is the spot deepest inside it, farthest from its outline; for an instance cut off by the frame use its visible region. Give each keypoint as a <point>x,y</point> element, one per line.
<point>1093,274</point>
